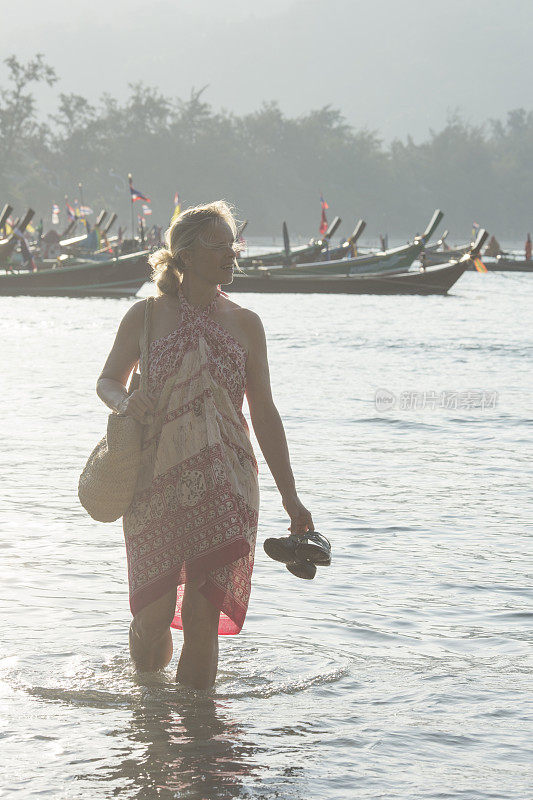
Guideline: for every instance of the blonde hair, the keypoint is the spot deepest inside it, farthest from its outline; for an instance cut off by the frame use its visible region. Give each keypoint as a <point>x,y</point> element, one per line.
<point>188,227</point>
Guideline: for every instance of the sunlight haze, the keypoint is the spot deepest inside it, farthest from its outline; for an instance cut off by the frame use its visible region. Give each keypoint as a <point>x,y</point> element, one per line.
<point>397,68</point>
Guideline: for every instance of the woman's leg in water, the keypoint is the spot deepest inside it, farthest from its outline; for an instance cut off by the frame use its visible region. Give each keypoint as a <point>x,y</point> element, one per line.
<point>198,662</point>
<point>150,636</point>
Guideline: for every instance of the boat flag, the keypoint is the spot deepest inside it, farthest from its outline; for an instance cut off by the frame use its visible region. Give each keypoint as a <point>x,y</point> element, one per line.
<point>135,195</point>
<point>80,215</point>
<point>323,219</point>
<point>85,211</point>
<point>146,211</point>
<point>55,214</point>
<point>475,229</point>
<point>479,265</point>
<point>177,208</point>
<point>71,214</point>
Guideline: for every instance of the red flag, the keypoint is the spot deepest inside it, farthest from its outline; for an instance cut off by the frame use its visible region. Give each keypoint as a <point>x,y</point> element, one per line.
<point>323,219</point>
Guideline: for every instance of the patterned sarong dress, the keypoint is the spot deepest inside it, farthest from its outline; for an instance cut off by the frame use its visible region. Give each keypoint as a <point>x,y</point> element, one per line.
<point>196,503</point>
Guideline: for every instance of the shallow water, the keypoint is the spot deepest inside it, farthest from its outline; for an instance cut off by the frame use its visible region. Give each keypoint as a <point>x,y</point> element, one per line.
<point>399,672</point>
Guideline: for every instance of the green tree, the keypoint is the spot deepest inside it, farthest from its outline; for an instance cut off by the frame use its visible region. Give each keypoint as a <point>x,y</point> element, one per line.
<point>18,123</point>
<point>270,165</point>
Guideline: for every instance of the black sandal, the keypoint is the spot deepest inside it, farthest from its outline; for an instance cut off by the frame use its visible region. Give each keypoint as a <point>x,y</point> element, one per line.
<point>315,548</point>
<point>299,547</point>
<point>302,569</point>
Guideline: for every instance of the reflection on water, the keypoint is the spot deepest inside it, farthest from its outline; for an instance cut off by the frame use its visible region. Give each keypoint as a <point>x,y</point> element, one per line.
<point>179,743</point>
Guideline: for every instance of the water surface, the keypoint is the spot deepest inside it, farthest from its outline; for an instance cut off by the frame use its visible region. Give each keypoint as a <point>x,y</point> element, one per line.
<point>399,672</point>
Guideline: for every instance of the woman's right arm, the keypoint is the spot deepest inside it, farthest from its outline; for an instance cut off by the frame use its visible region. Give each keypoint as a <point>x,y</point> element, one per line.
<point>124,355</point>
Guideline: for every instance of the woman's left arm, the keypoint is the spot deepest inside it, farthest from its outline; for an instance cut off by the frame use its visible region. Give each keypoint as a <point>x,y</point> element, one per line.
<point>268,426</point>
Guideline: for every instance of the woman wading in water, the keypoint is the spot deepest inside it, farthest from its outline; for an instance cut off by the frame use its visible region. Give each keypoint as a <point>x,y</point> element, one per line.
<point>191,529</point>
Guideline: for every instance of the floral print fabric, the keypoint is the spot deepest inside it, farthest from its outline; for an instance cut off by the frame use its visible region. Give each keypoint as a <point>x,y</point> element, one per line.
<point>196,504</point>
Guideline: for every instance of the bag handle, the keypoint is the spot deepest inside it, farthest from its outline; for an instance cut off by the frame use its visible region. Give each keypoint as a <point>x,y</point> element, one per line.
<point>145,345</point>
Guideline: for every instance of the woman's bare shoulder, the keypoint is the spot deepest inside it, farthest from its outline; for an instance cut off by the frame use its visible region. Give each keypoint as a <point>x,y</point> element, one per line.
<point>248,321</point>
<point>134,316</point>
<point>245,315</point>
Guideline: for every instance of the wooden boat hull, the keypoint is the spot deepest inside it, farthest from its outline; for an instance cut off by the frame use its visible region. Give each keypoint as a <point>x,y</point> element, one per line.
<point>116,277</point>
<point>314,259</point>
<point>397,258</point>
<point>298,255</point>
<point>506,265</point>
<point>435,280</point>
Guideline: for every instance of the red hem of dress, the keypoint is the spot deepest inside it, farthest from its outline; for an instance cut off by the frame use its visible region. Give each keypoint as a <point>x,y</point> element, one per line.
<point>216,596</point>
<point>202,564</point>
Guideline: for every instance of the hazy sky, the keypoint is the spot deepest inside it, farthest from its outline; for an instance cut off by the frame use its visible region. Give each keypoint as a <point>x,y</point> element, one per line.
<point>397,66</point>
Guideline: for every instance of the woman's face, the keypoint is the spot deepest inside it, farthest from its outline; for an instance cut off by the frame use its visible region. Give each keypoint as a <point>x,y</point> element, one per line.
<point>213,257</point>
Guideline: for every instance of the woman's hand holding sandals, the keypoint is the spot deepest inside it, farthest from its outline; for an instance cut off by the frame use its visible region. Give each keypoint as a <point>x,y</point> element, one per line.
<point>139,406</point>
<point>301,519</point>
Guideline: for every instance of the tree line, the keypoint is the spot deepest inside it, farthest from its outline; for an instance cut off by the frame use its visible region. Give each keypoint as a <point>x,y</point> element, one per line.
<point>270,165</point>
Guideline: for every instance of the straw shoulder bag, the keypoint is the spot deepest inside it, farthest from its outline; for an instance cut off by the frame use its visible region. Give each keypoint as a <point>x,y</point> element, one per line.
<point>107,483</point>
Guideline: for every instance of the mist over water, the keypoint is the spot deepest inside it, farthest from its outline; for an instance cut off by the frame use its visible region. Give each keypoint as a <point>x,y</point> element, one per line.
<point>399,672</point>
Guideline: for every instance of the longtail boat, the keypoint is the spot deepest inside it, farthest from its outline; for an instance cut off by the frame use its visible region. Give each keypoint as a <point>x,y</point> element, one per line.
<point>319,251</point>
<point>115,277</point>
<point>336,261</point>
<point>432,280</point>
<point>506,263</point>
<point>396,259</point>
<point>398,256</point>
